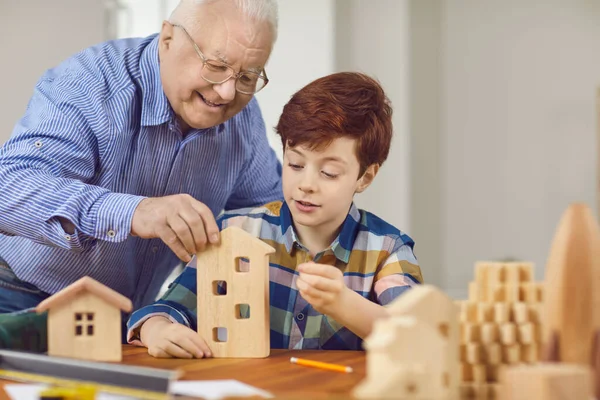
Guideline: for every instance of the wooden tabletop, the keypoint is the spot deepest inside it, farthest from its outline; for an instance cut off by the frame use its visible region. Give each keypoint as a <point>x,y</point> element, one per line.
<point>274,374</point>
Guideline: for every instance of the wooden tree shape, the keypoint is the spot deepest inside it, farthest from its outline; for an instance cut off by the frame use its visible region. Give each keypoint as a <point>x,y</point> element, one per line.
<point>572,299</point>
<point>232,299</point>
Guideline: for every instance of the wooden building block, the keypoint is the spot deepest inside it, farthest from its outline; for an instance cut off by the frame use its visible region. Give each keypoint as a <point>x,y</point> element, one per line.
<point>530,353</point>
<point>485,313</point>
<point>530,292</point>
<point>493,354</point>
<point>555,381</point>
<point>466,372</point>
<point>470,333</point>
<point>526,333</point>
<point>511,354</point>
<point>479,373</point>
<point>474,292</point>
<point>535,313</point>
<point>508,334</point>
<point>474,353</point>
<point>489,333</point>
<point>497,293</point>
<point>520,313</point>
<point>493,373</point>
<point>235,323</point>
<point>501,313</point>
<point>468,312</point>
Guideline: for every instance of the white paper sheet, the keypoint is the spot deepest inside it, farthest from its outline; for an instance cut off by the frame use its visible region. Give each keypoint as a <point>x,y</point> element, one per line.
<point>217,389</point>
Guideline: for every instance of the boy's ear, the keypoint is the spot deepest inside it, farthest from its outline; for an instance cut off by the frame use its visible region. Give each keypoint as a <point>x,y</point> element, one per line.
<point>367,178</point>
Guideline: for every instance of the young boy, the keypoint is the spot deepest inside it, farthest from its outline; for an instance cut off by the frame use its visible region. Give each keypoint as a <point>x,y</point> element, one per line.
<point>334,266</point>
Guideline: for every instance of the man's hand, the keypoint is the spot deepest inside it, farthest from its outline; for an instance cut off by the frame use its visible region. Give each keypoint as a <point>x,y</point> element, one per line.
<point>182,222</point>
<point>165,339</point>
<point>322,286</point>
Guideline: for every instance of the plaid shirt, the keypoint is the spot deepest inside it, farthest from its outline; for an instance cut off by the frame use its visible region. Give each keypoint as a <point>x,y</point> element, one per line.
<point>377,261</point>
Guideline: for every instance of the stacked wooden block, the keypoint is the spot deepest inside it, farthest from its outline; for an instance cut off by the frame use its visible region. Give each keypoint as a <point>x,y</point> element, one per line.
<point>500,325</point>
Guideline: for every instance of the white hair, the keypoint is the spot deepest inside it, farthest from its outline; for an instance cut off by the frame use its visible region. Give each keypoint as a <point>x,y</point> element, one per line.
<point>260,10</point>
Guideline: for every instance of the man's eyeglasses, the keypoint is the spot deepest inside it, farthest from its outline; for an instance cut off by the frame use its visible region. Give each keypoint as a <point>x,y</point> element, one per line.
<point>216,72</point>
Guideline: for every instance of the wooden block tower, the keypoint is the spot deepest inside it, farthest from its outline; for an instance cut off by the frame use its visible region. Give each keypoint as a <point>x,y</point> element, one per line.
<point>500,325</point>
<point>233,295</point>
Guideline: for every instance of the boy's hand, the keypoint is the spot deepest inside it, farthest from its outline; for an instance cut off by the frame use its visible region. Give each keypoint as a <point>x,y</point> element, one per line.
<point>165,339</point>
<point>322,286</point>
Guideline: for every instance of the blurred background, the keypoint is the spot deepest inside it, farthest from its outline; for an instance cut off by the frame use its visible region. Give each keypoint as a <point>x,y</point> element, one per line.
<point>495,105</point>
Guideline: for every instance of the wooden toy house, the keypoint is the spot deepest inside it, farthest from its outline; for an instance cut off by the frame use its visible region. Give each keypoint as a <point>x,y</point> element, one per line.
<point>84,321</point>
<point>233,295</point>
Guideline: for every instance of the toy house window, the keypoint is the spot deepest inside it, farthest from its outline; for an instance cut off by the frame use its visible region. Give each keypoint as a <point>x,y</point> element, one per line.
<point>84,324</point>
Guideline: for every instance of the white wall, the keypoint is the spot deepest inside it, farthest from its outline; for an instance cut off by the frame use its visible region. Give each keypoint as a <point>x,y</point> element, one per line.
<point>304,52</point>
<point>36,35</point>
<point>425,149</point>
<point>518,140</point>
<point>373,37</point>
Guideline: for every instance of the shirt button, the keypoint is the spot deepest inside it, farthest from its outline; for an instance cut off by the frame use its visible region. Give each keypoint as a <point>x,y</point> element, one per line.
<point>68,238</point>
<point>38,144</point>
<point>154,249</point>
<point>111,233</point>
<point>300,316</point>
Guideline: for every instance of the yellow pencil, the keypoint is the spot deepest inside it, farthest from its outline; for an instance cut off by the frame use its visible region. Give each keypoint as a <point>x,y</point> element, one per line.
<point>322,365</point>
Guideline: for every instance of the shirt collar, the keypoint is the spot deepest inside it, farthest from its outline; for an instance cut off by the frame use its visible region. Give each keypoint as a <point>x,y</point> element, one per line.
<point>156,109</point>
<point>342,245</point>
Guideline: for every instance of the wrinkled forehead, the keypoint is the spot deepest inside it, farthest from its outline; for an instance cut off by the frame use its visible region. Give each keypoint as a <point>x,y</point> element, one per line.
<point>234,39</point>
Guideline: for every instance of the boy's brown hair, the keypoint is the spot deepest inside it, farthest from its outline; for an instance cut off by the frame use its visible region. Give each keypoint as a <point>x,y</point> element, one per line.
<point>345,104</point>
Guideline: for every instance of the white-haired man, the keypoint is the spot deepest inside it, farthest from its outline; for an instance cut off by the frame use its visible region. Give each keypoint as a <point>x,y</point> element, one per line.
<point>128,149</point>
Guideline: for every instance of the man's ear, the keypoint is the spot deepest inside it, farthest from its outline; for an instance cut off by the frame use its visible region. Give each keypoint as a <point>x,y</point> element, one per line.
<point>166,35</point>
<point>367,178</point>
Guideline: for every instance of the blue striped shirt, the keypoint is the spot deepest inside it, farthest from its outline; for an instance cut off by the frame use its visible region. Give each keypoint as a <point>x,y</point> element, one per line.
<point>97,137</point>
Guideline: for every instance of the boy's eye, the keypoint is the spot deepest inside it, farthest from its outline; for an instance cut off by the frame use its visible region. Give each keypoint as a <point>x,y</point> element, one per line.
<point>331,176</point>
<point>295,166</point>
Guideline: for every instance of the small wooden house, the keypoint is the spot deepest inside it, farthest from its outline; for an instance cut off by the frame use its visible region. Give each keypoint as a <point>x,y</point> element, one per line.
<point>413,354</point>
<point>84,321</point>
<point>233,295</point>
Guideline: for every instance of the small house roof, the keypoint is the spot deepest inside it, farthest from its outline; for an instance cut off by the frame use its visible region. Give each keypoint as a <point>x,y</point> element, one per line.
<point>89,285</point>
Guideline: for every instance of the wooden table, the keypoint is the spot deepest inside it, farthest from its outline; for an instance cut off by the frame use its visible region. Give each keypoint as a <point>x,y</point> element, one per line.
<point>274,374</point>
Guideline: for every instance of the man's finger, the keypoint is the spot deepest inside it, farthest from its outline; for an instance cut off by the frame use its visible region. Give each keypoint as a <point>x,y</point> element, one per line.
<point>196,226</point>
<point>170,239</point>
<point>182,230</point>
<point>210,225</point>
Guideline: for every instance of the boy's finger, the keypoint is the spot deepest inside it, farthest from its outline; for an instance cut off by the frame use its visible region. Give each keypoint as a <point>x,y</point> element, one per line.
<point>174,350</point>
<point>318,282</point>
<point>324,270</point>
<point>202,344</point>
<point>158,353</point>
<point>191,347</point>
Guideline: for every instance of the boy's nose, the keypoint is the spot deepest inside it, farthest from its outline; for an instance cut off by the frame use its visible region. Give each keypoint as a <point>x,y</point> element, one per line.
<point>307,184</point>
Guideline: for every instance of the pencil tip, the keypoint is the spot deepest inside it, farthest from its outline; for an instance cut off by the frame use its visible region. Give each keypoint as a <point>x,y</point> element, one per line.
<point>349,369</point>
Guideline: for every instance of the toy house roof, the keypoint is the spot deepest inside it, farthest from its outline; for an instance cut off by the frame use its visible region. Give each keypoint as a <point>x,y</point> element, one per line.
<point>86,284</point>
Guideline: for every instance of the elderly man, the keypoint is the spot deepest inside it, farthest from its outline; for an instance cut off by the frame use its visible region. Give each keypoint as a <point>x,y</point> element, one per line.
<point>128,150</point>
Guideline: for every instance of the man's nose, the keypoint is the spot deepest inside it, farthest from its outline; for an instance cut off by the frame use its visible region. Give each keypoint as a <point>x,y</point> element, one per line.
<point>226,90</point>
